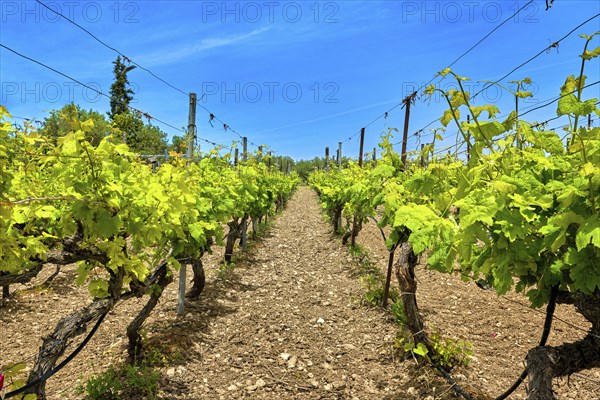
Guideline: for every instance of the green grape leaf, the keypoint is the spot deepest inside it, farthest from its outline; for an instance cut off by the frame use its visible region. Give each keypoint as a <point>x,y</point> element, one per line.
<point>569,105</point>
<point>502,277</point>
<point>489,129</point>
<point>545,140</point>
<point>420,349</point>
<point>491,109</point>
<point>481,207</point>
<point>538,297</point>
<point>510,121</point>
<point>448,116</point>
<point>83,269</point>
<point>588,55</point>
<point>20,215</point>
<point>98,289</point>
<point>107,225</point>
<point>584,272</point>
<point>511,224</point>
<point>588,232</point>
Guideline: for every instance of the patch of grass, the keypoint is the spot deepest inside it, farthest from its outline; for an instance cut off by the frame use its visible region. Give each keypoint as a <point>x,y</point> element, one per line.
<point>263,227</point>
<point>138,381</point>
<point>451,352</point>
<point>448,353</point>
<point>161,356</point>
<point>125,381</point>
<point>225,270</point>
<point>374,289</point>
<point>372,278</point>
<point>35,290</point>
<point>397,310</point>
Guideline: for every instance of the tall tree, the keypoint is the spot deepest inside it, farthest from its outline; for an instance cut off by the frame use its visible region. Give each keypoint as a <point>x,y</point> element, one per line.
<point>60,122</point>
<point>120,92</point>
<point>178,144</point>
<point>149,140</point>
<point>141,138</point>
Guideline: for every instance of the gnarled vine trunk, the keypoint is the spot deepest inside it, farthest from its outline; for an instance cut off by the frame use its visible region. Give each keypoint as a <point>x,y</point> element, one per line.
<point>235,232</point>
<point>336,219</point>
<point>73,325</point>
<point>405,273</point>
<point>547,362</point>
<point>134,348</point>
<point>70,255</point>
<point>356,228</point>
<point>199,280</point>
<point>55,344</point>
<point>7,279</point>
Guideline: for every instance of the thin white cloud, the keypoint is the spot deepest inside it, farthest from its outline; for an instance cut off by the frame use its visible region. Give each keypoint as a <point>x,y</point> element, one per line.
<point>329,116</point>
<point>172,55</point>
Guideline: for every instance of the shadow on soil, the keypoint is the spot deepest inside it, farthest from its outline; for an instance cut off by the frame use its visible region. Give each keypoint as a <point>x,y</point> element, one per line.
<point>185,336</point>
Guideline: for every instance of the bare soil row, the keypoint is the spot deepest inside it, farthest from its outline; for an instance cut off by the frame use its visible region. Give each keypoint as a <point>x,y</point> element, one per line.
<point>288,323</point>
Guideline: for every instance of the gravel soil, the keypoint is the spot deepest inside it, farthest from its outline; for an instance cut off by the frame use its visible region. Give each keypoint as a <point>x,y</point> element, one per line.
<point>288,322</point>
<point>502,329</point>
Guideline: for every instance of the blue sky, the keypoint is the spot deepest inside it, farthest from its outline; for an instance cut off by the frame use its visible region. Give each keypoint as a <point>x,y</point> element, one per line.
<point>295,75</point>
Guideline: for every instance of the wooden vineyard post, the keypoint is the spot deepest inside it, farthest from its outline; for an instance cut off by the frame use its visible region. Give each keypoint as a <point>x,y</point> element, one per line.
<point>244,224</point>
<point>355,220</point>
<point>245,234</point>
<point>422,155</point>
<point>235,157</point>
<point>407,102</point>
<point>374,155</point>
<point>468,140</point>
<point>191,127</point>
<point>326,159</point>
<point>339,162</point>
<point>362,143</point>
<point>190,153</point>
<point>388,279</point>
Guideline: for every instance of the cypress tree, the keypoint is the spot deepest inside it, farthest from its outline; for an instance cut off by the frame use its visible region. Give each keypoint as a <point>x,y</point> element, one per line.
<point>120,92</point>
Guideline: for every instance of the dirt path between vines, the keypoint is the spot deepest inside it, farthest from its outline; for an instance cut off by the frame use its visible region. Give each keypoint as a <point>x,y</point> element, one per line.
<point>287,323</point>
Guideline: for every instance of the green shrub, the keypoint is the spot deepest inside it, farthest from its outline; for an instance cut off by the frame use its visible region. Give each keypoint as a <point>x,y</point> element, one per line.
<point>127,381</point>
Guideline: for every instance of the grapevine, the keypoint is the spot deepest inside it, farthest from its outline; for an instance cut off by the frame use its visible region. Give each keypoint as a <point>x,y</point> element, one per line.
<point>521,212</point>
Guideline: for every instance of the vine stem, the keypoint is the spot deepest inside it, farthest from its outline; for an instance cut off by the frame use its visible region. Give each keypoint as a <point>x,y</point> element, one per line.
<point>545,333</point>
<point>575,133</point>
<point>580,81</point>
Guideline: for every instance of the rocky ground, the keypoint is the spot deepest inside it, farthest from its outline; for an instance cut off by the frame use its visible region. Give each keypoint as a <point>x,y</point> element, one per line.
<point>288,322</point>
